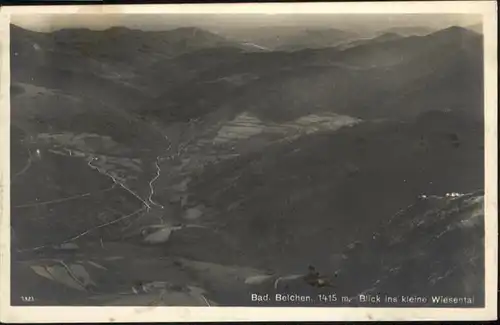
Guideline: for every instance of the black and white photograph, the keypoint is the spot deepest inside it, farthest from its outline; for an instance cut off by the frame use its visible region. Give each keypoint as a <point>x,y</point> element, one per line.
<point>248,159</point>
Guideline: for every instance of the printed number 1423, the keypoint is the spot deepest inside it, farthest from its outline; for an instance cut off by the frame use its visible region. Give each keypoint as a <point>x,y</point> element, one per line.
<point>27,298</point>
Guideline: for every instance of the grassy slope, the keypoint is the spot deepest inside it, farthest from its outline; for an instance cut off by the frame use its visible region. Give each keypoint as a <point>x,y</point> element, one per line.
<point>304,198</point>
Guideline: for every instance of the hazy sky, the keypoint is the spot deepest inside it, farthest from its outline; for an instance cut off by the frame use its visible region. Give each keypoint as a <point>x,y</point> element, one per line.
<point>224,22</point>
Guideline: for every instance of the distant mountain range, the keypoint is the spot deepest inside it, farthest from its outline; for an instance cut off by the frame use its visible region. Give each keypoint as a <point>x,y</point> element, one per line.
<point>120,44</point>
<point>419,73</point>
<point>310,39</point>
<point>409,30</point>
<point>295,37</point>
<point>290,38</point>
<point>388,36</point>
